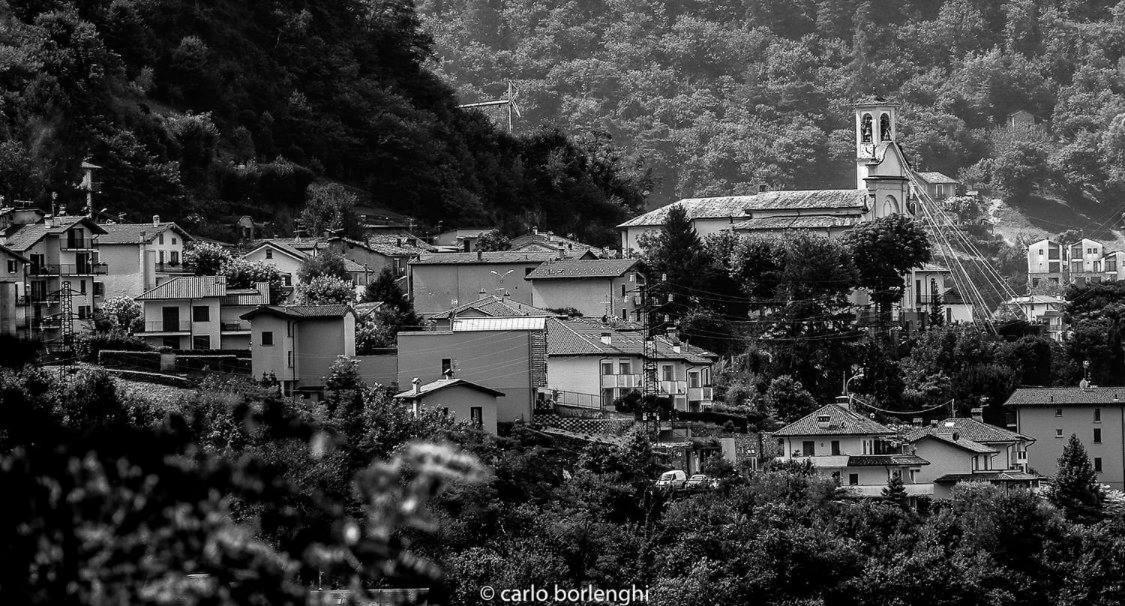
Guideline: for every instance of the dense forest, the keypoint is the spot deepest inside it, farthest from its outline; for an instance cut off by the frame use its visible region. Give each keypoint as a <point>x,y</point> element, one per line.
<point>717,97</point>
<point>198,111</point>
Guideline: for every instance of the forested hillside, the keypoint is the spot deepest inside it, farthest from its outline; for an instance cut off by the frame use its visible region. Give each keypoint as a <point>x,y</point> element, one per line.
<point>198,110</point>
<point>718,96</point>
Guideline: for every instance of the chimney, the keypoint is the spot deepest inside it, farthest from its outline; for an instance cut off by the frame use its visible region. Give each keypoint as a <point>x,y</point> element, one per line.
<point>606,338</point>
<point>417,385</point>
<point>448,373</point>
<point>762,188</point>
<point>916,421</point>
<point>561,255</point>
<point>480,255</point>
<point>955,436</point>
<point>823,421</point>
<point>844,402</point>
<point>535,230</point>
<point>977,413</point>
<point>676,348</point>
<point>156,219</point>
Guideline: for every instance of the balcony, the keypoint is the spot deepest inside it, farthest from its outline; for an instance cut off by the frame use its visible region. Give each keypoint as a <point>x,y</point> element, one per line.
<point>69,269</point>
<point>621,381</point>
<point>159,326</point>
<point>33,299</point>
<point>674,388</point>
<point>229,327</point>
<point>700,394</point>
<point>172,268</point>
<point>77,243</point>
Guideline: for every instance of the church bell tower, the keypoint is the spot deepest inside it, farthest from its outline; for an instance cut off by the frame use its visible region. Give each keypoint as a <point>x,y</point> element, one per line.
<point>880,166</point>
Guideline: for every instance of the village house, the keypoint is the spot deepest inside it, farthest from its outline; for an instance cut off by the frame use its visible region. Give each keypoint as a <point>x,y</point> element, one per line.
<point>939,186</point>
<point>461,240</point>
<point>860,454</point>
<point>64,273</point>
<point>289,254</point>
<point>595,287</point>
<point>882,188</point>
<point>460,399</point>
<point>591,363</point>
<point>199,312</point>
<point>13,277</point>
<point>969,450</point>
<point>296,345</point>
<point>1052,266</point>
<point>1042,309</point>
<point>1050,415</point>
<point>504,354</point>
<point>546,241</point>
<point>439,281</point>
<point>139,256</point>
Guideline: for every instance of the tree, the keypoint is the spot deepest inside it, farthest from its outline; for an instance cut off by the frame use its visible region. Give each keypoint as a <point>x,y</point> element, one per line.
<point>241,273</point>
<point>385,289</point>
<point>884,250</point>
<point>493,241</point>
<point>324,263</point>
<point>119,313</point>
<point>324,290</point>
<point>331,208</point>
<point>788,400</point>
<point>1076,490</point>
<point>675,262</point>
<point>936,315</point>
<point>895,491</point>
<point>206,259</point>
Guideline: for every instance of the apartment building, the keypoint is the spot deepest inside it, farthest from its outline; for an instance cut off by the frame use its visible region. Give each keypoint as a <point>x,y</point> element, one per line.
<point>1049,415</point>
<point>1052,265</point>
<point>507,355</point>
<point>860,454</point>
<point>296,345</point>
<point>138,256</point>
<point>13,282</point>
<point>440,281</point>
<point>591,363</point>
<point>199,312</point>
<point>64,275</point>
<point>594,287</point>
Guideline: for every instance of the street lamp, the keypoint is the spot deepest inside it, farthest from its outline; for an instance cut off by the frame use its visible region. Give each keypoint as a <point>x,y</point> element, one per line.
<point>858,375</point>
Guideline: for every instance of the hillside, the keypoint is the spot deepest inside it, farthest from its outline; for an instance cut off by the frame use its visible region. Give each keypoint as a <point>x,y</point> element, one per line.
<point>718,97</point>
<point>200,110</point>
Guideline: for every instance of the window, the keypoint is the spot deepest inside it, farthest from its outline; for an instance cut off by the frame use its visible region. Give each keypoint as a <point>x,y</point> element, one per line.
<point>835,448</point>
<point>607,396</point>
<point>624,314</point>
<point>1098,464</point>
<point>84,312</point>
<point>269,254</point>
<point>1040,252</point>
<point>1058,412</point>
<point>667,373</point>
<point>160,240</point>
<point>853,479</point>
<point>446,365</point>
<point>290,356</point>
<point>171,342</point>
<point>99,289</point>
<point>287,279</point>
<point>1058,433</point>
<point>693,378</point>
<point>12,266</point>
<point>174,240</point>
<point>527,270</point>
<point>267,338</point>
<point>1097,415</point>
<point>476,416</point>
<point>1097,435</point>
<point>622,290</point>
<point>161,257</point>
<point>200,313</point>
<point>289,329</point>
<point>201,342</point>
<point>808,447</point>
<point>607,368</point>
<point>81,287</point>
<point>625,368</point>
<point>175,257</point>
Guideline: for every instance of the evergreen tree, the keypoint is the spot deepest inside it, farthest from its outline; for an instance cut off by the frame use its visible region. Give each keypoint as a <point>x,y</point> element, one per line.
<point>676,262</point>
<point>1076,489</point>
<point>895,491</point>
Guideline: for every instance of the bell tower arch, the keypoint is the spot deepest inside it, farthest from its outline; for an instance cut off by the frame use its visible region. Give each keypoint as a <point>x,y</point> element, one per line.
<point>880,166</point>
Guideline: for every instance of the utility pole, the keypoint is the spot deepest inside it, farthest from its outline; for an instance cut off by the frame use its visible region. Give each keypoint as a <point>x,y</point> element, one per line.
<point>509,100</point>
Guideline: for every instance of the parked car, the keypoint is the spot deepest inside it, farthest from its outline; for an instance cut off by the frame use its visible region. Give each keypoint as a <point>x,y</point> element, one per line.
<point>701,481</point>
<point>672,480</point>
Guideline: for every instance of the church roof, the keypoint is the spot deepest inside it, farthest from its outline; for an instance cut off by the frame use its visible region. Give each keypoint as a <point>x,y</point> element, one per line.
<point>742,207</point>
<point>936,178</point>
<point>784,223</point>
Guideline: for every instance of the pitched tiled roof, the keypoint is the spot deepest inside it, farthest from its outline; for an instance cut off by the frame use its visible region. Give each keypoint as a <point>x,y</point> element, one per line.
<point>282,245</point>
<point>951,438</point>
<point>300,312</point>
<point>582,337</point>
<point>497,324</point>
<point>937,178</point>
<point>27,235</point>
<point>572,269</point>
<point>546,240</point>
<point>1005,475</point>
<point>841,422</point>
<point>187,287</point>
<point>440,384</point>
<point>740,207</point>
<point>475,258</point>
<point>796,222</point>
<point>1066,396</point>
<point>979,431</point>
<point>498,307</point>
<point>133,233</point>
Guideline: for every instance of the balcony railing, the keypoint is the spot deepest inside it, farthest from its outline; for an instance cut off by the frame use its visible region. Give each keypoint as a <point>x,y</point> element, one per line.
<point>162,326</point>
<point>700,394</point>
<point>623,381</point>
<point>69,269</point>
<point>77,243</point>
<point>172,268</point>
<point>673,387</point>
<point>235,326</point>
<point>33,299</point>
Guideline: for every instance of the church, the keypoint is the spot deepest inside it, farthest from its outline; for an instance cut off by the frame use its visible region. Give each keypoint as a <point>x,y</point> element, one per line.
<point>882,188</point>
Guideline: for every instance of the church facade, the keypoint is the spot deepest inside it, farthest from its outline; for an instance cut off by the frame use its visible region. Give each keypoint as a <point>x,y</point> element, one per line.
<point>882,188</point>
